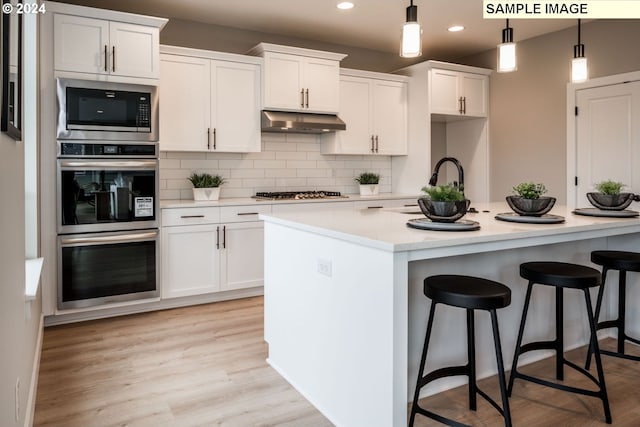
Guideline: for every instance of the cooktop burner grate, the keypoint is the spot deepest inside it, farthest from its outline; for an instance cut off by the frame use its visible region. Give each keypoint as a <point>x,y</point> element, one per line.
<point>297,195</point>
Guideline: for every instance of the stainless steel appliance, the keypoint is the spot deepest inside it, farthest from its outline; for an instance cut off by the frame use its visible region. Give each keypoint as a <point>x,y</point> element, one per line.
<point>299,195</point>
<point>97,110</point>
<point>107,197</point>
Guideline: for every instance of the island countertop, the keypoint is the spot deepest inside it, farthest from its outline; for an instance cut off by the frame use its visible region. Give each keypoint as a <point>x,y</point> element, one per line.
<point>386,229</point>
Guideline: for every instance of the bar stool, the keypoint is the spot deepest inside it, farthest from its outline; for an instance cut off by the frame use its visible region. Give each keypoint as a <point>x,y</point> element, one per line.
<point>470,293</point>
<point>561,275</point>
<point>623,262</point>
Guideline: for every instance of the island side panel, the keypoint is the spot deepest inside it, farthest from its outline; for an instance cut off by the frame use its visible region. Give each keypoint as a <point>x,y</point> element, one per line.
<point>339,337</point>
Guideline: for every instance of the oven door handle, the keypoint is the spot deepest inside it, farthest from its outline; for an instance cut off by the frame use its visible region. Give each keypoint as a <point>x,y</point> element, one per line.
<point>104,240</point>
<point>108,164</point>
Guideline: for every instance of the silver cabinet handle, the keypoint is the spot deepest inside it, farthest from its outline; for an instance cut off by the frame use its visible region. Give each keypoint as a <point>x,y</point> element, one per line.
<point>224,237</point>
<point>460,105</point>
<point>218,237</point>
<point>214,138</point>
<point>191,216</point>
<point>306,92</point>
<point>247,213</point>
<point>106,58</point>
<point>302,98</point>
<point>373,150</point>
<point>410,206</point>
<point>375,207</point>
<point>376,143</point>
<point>113,58</point>
<point>464,104</point>
<point>208,138</point>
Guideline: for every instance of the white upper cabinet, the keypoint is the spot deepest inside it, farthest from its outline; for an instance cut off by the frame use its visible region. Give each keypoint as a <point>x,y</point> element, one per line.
<point>96,46</point>
<point>459,93</point>
<point>298,79</point>
<point>210,105</point>
<point>374,108</point>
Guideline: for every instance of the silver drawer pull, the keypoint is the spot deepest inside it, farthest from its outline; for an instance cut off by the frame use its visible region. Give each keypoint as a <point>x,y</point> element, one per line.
<point>375,207</point>
<point>247,213</point>
<point>411,206</point>
<point>191,216</point>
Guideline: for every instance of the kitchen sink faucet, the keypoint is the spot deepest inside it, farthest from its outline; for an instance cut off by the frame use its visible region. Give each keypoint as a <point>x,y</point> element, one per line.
<point>434,177</point>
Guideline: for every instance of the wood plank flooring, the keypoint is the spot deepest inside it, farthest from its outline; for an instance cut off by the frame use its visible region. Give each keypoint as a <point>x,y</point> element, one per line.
<point>205,366</point>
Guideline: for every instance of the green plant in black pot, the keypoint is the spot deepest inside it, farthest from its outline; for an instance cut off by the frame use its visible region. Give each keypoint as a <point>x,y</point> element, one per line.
<point>443,203</point>
<point>529,199</point>
<point>609,196</point>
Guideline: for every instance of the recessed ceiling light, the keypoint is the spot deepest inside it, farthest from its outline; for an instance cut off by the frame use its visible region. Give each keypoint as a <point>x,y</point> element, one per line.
<point>344,5</point>
<point>455,28</point>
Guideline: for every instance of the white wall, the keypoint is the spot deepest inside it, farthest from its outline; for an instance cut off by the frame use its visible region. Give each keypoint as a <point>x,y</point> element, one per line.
<point>288,162</point>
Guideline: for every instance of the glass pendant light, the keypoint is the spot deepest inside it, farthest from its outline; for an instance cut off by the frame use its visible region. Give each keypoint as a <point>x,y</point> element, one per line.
<point>579,70</point>
<point>507,51</point>
<point>411,46</point>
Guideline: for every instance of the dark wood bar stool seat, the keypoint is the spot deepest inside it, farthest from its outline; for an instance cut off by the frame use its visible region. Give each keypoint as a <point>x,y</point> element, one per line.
<point>561,275</point>
<point>623,262</point>
<point>470,293</point>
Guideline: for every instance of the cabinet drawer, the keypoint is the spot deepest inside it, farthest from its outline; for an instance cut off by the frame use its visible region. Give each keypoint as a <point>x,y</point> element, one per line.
<point>388,203</point>
<point>243,213</point>
<point>187,216</point>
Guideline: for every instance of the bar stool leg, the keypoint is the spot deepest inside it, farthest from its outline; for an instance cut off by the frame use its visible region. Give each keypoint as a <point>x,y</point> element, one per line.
<point>506,412</point>
<point>596,352</point>
<point>471,355</point>
<point>423,360</point>
<point>559,342</point>
<point>597,313</point>
<point>622,297</point>
<point>514,365</point>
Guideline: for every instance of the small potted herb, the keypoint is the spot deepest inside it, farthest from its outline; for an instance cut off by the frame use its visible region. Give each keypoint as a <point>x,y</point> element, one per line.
<point>206,186</point>
<point>529,200</point>
<point>609,196</point>
<point>443,203</point>
<point>368,183</point>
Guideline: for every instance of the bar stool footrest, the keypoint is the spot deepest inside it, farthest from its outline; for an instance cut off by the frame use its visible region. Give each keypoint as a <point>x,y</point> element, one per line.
<point>538,345</point>
<point>620,355</point>
<point>450,371</point>
<point>439,418</point>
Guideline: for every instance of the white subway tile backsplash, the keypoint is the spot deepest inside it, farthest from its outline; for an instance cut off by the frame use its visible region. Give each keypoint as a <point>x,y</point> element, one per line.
<point>288,162</point>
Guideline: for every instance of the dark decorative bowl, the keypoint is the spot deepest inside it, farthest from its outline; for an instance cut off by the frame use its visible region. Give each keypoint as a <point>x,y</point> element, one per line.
<point>443,211</point>
<point>610,202</point>
<point>530,207</point>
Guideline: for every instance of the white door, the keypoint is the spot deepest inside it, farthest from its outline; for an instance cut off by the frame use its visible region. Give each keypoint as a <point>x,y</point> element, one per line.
<point>390,117</point>
<point>444,92</point>
<point>185,110</point>
<point>283,82</point>
<point>322,80</point>
<point>475,91</point>
<point>235,107</point>
<point>134,50</point>
<point>81,44</point>
<point>608,138</point>
<point>242,259</point>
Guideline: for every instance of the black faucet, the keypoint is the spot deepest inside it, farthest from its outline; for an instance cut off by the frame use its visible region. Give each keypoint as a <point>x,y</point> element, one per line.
<point>434,177</point>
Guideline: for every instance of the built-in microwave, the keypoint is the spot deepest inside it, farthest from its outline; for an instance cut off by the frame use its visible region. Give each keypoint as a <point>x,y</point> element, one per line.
<point>98,110</point>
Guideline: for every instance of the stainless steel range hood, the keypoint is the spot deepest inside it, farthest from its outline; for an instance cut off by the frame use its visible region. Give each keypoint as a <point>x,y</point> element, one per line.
<point>280,121</point>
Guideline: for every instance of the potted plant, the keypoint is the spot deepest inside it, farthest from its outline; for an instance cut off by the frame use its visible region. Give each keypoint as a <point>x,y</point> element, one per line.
<point>609,196</point>
<point>368,183</point>
<point>206,186</point>
<point>443,203</point>
<point>529,199</point>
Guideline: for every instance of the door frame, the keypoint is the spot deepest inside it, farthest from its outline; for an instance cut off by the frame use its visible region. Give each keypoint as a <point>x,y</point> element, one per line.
<point>572,123</point>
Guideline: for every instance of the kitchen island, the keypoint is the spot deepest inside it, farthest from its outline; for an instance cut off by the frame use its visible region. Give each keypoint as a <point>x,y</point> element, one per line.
<point>345,315</point>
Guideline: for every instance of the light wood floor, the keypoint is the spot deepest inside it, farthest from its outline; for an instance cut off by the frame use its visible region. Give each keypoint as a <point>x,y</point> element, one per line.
<point>205,366</point>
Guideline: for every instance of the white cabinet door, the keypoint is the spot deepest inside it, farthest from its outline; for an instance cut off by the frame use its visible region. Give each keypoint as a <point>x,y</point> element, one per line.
<point>283,82</point>
<point>321,82</point>
<point>444,92</point>
<point>389,117</point>
<point>458,93</point>
<point>134,50</point>
<point>242,255</point>
<point>81,44</point>
<point>190,260</point>
<point>185,93</point>
<point>235,107</point>
<point>97,46</point>
<point>608,138</point>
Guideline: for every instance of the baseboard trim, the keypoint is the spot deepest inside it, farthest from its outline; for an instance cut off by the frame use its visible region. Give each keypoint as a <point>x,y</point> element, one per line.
<point>33,388</point>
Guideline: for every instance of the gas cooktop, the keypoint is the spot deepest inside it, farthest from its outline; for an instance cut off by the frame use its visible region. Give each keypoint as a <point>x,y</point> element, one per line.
<point>298,195</point>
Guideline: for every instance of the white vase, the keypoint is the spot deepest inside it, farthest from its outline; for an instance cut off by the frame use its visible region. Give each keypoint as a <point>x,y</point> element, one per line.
<point>369,189</point>
<point>208,194</point>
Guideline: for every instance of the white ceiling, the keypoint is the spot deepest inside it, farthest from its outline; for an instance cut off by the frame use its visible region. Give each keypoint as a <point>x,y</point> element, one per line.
<point>372,24</point>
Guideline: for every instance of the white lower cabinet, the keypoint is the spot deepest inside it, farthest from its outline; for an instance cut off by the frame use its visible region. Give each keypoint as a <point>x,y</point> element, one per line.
<point>211,249</point>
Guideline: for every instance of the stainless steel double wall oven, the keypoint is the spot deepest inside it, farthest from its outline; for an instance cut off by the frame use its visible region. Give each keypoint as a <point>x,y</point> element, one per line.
<point>107,193</point>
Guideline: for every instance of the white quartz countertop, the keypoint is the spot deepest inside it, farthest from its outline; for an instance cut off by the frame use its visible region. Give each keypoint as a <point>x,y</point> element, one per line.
<point>386,229</point>
<point>242,201</point>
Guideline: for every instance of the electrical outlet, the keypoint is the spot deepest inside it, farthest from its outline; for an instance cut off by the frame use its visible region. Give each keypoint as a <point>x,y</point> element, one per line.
<point>17,397</point>
<point>324,267</point>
